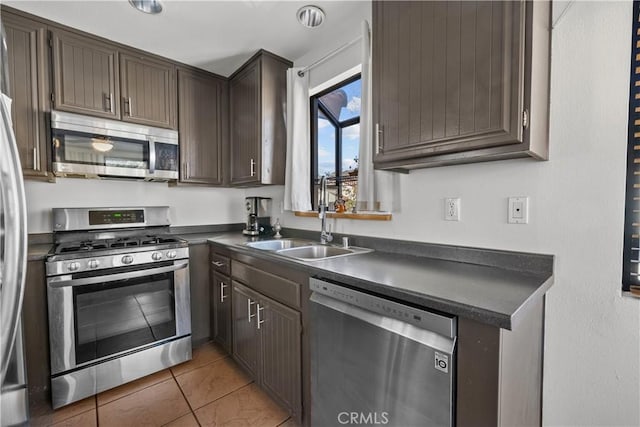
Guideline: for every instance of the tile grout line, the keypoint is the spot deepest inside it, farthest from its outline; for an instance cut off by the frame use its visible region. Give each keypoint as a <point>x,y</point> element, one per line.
<point>95,398</point>
<point>198,367</point>
<point>185,398</point>
<point>133,392</point>
<point>282,423</point>
<point>225,395</point>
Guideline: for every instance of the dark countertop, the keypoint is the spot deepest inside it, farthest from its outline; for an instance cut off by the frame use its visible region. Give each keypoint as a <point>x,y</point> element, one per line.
<point>38,252</point>
<point>488,294</point>
<point>492,287</point>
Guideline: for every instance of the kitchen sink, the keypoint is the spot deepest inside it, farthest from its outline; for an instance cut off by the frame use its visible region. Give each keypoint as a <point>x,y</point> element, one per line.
<point>274,245</point>
<point>305,250</point>
<point>318,252</point>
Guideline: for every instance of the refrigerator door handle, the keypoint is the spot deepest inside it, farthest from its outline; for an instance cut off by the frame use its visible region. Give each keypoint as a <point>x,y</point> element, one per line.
<point>14,229</point>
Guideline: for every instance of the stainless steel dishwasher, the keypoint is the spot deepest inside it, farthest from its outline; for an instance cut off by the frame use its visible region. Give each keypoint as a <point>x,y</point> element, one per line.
<point>378,362</point>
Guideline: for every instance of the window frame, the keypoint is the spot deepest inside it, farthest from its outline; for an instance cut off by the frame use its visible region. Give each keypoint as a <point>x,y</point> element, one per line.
<point>630,281</point>
<point>315,106</point>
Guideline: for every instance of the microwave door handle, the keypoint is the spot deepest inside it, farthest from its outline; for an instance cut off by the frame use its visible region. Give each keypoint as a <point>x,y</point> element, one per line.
<point>152,154</point>
<point>66,280</point>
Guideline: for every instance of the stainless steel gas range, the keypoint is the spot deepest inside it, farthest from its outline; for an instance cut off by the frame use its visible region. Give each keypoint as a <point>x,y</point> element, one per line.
<point>118,296</point>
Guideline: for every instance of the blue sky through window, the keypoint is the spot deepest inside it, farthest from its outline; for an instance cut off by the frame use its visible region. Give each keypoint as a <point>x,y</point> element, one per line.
<point>350,134</point>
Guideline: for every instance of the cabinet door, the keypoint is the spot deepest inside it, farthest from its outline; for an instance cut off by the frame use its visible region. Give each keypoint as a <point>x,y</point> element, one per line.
<point>221,310</point>
<point>85,78</point>
<point>202,102</point>
<point>246,132</point>
<point>148,91</point>
<point>447,76</point>
<point>281,355</point>
<point>27,55</point>
<point>246,341</point>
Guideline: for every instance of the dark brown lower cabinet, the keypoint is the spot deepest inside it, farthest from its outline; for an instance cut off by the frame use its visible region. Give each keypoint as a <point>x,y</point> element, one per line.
<point>266,341</point>
<point>221,310</point>
<point>199,284</point>
<point>246,337</point>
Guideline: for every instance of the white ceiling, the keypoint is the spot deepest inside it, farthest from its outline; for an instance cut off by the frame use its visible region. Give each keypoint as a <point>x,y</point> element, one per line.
<point>215,35</point>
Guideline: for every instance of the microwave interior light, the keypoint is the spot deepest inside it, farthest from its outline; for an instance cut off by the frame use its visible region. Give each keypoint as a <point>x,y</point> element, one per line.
<point>102,145</point>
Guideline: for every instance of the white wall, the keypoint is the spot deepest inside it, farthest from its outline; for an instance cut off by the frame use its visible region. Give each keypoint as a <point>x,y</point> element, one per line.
<point>189,205</point>
<point>592,347</point>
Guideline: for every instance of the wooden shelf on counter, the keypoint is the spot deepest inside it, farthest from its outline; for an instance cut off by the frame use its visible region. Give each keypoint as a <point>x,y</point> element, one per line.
<point>361,216</point>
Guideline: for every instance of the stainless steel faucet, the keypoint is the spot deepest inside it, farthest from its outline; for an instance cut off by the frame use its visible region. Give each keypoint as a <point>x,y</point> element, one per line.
<point>325,236</point>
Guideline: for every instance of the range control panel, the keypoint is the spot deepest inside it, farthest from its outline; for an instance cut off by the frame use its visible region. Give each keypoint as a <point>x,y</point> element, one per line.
<point>424,319</point>
<point>107,217</point>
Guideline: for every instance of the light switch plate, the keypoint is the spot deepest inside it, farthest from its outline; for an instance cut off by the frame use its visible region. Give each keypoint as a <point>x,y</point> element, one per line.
<point>518,210</point>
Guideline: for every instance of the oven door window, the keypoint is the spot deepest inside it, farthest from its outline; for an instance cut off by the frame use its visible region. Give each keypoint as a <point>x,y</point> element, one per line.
<point>114,317</point>
<point>89,149</point>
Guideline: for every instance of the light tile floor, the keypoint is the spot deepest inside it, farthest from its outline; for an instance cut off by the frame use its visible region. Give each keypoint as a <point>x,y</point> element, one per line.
<point>209,390</point>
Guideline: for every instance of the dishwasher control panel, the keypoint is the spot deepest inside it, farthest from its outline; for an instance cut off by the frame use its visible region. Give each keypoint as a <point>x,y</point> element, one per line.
<point>424,319</point>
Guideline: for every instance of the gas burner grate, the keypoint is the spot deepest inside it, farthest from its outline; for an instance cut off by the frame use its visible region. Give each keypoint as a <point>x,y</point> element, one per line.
<point>125,243</point>
<point>86,246</point>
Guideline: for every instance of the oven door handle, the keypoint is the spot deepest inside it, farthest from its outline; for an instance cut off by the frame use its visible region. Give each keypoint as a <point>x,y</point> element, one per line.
<point>63,281</point>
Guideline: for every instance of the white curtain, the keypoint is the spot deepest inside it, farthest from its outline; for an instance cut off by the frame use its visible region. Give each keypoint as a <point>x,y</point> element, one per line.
<point>297,186</point>
<point>375,188</point>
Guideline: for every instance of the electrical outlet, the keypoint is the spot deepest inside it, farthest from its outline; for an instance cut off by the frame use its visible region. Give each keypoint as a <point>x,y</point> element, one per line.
<point>452,209</point>
<point>518,210</point>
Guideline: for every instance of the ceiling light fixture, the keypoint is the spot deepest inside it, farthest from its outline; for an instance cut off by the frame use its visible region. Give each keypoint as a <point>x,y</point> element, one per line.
<point>310,16</point>
<point>147,6</point>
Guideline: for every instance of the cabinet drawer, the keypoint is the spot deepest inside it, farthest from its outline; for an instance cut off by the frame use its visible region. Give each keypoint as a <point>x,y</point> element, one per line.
<point>282,290</point>
<point>220,264</point>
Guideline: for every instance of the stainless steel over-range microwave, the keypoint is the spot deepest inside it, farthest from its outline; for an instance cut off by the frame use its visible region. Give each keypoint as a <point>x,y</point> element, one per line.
<point>102,148</point>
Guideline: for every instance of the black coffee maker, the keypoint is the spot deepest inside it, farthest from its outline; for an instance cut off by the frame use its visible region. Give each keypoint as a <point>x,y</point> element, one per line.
<point>258,211</point>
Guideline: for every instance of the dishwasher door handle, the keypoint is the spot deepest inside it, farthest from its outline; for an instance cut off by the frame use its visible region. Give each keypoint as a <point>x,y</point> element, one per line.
<point>407,330</point>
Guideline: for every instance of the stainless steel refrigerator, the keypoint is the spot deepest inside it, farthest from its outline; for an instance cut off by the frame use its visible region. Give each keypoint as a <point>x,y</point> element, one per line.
<point>13,255</point>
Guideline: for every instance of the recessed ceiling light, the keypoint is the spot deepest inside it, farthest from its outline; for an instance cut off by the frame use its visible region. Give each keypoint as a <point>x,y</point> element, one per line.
<point>310,16</point>
<point>147,6</point>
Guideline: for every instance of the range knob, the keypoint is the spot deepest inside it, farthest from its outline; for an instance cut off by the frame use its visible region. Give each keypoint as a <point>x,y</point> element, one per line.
<point>74,266</point>
<point>171,254</point>
<point>127,259</point>
<point>156,256</point>
<point>94,263</point>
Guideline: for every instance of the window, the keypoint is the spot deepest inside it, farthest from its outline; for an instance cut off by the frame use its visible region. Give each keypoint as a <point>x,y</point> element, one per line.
<point>335,139</point>
<point>631,261</point>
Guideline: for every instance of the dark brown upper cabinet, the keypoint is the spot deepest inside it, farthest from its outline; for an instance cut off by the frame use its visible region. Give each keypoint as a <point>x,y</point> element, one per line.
<point>85,75</point>
<point>148,90</point>
<point>458,82</point>
<point>203,103</point>
<point>258,95</point>
<point>28,87</point>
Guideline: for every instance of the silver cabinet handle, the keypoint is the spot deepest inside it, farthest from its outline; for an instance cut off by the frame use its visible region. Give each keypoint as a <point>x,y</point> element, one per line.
<point>109,102</point>
<point>249,315</point>
<point>253,167</point>
<point>222,286</point>
<point>35,159</point>
<point>259,322</point>
<point>218,263</point>
<point>378,133</point>
<point>130,107</point>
